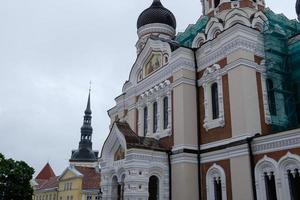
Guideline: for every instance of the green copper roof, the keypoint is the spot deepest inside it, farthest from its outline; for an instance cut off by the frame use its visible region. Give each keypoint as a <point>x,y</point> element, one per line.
<point>186,38</point>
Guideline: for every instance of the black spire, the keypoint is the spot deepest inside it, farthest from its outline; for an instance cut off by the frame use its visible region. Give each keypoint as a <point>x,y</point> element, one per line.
<point>85,152</point>
<point>86,129</point>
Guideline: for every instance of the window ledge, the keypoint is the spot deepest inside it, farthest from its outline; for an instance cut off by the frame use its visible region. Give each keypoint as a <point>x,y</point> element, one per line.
<point>220,122</point>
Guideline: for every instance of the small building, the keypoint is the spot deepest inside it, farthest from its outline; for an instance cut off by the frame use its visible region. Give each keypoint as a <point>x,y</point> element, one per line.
<point>46,184</point>
<point>77,183</point>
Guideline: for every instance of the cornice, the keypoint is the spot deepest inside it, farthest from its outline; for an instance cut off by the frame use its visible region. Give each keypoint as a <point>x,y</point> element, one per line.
<point>231,40</point>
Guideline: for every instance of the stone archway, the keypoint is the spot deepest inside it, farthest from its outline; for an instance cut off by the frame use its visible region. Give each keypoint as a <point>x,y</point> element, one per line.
<point>153,188</point>
<point>115,188</point>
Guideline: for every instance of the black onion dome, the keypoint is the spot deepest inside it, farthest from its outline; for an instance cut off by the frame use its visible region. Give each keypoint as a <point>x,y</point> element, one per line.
<point>156,13</point>
<point>84,154</point>
<point>298,7</point>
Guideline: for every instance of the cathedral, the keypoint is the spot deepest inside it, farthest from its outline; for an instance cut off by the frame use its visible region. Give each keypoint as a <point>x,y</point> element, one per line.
<point>211,113</point>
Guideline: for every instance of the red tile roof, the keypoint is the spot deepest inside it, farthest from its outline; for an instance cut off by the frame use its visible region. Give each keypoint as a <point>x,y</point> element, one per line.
<point>48,184</point>
<point>91,177</point>
<point>134,141</point>
<point>45,173</point>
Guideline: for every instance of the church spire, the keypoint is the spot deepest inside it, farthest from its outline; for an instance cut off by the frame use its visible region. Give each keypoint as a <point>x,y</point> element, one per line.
<point>85,152</point>
<point>86,129</point>
<point>88,106</point>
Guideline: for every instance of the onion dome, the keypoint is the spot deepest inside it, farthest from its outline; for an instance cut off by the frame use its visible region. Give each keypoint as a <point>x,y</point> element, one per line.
<point>156,13</point>
<point>298,8</point>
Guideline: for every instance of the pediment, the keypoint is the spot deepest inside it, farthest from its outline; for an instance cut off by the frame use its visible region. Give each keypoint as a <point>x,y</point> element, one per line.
<point>114,144</point>
<point>155,55</point>
<point>70,173</point>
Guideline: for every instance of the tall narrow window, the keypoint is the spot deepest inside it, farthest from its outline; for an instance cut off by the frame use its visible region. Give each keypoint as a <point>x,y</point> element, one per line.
<point>218,188</point>
<point>271,97</point>
<point>270,186</point>
<point>145,121</point>
<point>153,188</point>
<point>166,114</point>
<point>294,182</point>
<point>214,101</point>
<point>154,117</point>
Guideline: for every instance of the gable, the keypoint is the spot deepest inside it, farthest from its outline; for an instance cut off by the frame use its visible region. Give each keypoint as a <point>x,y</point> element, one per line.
<point>70,173</point>
<point>155,55</point>
<point>114,142</point>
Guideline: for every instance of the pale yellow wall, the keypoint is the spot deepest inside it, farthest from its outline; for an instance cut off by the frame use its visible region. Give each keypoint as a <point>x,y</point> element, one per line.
<point>132,118</point>
<point>241,178</point>
<point>44,195</point>
<point>184,181</point>
<point>75,191</point>
<point>244,105</point>
<point>184,110</point>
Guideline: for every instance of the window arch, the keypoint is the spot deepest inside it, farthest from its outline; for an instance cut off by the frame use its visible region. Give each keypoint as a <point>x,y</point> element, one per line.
<point>153,188</point>
<point>216,183</point>
<point>145,120</point>
<point>166,112</point>
<point>215,101</point>
<point>266,177</point>
<point>155,117</point>
<point>289,167</point>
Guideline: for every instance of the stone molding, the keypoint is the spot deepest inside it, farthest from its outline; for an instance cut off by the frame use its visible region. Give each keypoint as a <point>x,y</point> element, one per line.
<point>233,39</point>
<point>262,145</point>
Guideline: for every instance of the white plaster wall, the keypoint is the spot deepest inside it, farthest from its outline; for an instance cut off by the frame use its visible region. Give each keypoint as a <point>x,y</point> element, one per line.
<point>184,181</point>
<point>243,94</point>
<point>184,110</point>
<point>241,178</point>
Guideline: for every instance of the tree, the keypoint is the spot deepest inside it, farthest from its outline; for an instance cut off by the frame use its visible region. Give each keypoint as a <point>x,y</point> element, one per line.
<point>15,179</point>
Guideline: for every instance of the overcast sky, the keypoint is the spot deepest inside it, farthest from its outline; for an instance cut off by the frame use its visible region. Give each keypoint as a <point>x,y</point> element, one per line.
<point>49,52</point>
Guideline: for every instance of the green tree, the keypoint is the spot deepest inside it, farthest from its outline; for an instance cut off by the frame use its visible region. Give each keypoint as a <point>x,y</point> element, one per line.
<point>15,179</point>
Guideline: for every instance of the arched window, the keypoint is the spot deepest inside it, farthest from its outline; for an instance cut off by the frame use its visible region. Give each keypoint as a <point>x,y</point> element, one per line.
<point>166,114</point>
<point>145,121</point>
<point>271,97</point>
<point>289,167</point>
<point>266,176</point>
<point>294,182</point>
<point>217,2</point>
<point>218,188</point>
<point>153,188</point>
<point>154,117</point>
<point>270,185</point>
<point>216,183</point>
<point>215,101</point>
